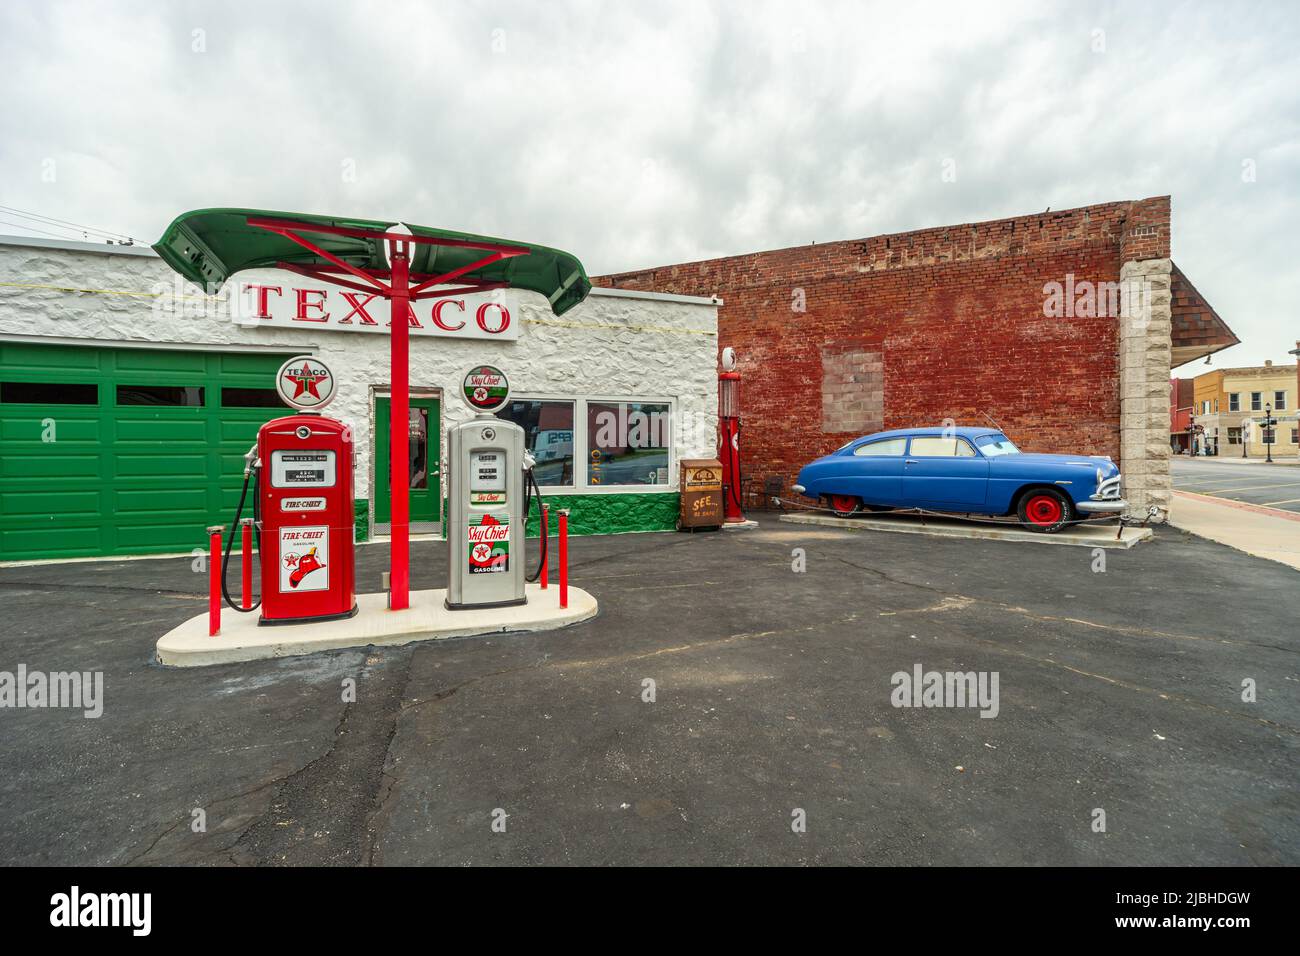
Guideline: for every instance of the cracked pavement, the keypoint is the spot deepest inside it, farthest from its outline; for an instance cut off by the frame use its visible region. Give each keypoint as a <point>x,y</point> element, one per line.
<point>1119,690</point>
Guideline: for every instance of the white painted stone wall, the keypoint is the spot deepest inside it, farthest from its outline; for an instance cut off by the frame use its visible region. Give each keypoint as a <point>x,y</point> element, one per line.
<point>1145,354</point>
<point>615,344</point>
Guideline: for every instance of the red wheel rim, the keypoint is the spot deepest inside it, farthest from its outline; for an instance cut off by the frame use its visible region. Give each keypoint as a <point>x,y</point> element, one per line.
<point>844,503</point>
<point>1043,510</point>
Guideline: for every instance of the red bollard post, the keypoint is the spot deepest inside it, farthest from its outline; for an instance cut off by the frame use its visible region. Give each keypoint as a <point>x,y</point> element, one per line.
<point>564,557</point>
<point>246,563</point>
<point>546,530</point>
<point>214,580</point>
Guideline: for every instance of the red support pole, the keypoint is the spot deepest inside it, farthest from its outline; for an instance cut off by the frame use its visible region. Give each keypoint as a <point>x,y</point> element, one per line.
<point>399,430</point>
<point>246,563</point>
<point>546,525</point>
<point>564,557</point>
<point>214,580</point>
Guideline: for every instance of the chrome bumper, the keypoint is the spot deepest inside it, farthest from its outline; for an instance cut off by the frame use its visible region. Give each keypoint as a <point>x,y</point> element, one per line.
<point>797,489</point>
<point>1112,506</point>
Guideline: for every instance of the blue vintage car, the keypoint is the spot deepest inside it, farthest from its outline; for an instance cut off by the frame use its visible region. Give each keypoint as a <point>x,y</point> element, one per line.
<point>962,471</point>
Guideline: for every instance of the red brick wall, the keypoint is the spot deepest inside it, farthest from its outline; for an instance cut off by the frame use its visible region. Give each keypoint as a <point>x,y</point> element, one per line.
<point>956,313</point>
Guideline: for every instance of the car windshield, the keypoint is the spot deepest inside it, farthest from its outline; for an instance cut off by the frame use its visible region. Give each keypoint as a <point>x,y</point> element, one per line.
<point>994,445</point>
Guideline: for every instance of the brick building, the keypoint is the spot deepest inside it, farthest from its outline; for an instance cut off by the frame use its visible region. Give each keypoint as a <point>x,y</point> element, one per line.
<point>1017,319</point>
<point>1181,397</point>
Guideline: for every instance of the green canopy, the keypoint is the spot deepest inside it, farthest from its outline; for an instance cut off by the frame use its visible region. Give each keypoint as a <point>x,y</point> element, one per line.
<point>208,246</point>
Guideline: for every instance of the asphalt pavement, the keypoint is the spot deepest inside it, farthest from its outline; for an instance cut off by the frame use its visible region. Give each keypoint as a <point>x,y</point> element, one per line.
<point>1274,485</point>
<point>732,704</point>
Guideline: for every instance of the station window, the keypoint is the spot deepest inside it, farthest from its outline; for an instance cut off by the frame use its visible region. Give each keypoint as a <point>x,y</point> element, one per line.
<point>48,393</point>
<point>182,396</point>
<point>251,398</point>
<point>548,432</point>
<point>1234,401</point>
<point>1279,400</point>
<point>628,443</point>
<point>1256,401</point>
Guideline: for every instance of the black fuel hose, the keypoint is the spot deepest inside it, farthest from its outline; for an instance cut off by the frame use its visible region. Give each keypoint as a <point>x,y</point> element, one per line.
<point>530,486</point>
<point>225,561</point>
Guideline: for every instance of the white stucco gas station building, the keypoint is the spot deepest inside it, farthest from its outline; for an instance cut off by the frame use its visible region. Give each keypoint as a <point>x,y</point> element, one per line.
<point>128,397</point>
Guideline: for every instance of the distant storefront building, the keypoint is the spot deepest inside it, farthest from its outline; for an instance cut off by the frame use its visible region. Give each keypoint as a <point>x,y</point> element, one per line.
<point>1229,406</point>
<point>127,401</point>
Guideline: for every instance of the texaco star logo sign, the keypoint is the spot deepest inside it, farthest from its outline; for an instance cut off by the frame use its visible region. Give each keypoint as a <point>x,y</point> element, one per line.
<point>305,382</point>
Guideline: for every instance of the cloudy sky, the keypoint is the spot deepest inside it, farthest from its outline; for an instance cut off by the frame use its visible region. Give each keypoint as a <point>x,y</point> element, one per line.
<point>642,133</point>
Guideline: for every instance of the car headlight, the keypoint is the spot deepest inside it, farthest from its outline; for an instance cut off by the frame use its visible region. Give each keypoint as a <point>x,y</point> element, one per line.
<point>1100,477</point>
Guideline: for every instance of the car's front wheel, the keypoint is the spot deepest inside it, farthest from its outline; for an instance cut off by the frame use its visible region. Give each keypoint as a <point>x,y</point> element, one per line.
<point>844,506</point>
<point>1045,510</point>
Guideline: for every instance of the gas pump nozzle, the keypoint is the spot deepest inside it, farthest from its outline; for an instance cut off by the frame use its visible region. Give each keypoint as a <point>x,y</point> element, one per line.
<point>528,460</point>
<point>250,461</point>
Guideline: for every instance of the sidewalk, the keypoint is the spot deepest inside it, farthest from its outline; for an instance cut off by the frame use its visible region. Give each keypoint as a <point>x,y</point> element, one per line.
<point>1263,532</point>
<point>1231,460</point>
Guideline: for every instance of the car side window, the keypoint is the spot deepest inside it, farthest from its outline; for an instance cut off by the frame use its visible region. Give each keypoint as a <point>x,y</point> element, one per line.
<point>875,449</point>
<point>936,446</point>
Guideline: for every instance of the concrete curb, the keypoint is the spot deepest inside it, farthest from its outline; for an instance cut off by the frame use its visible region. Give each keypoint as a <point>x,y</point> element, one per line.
<point>1230,460</point>
<point>1082,536</point>
<point>241,639</point>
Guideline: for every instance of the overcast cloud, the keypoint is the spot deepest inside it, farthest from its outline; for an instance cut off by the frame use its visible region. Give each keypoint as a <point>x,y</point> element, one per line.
<point>641,133</point>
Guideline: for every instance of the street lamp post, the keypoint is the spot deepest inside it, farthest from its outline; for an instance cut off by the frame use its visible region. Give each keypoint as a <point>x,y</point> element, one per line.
<point>1269,422</point>
<point>1246,424</point>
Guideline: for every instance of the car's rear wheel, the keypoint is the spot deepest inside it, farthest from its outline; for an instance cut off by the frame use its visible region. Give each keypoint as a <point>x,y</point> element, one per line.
<point>844,506</point>
<point>1045,510</point>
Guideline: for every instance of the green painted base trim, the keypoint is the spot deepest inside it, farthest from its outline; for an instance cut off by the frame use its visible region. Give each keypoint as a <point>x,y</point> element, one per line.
<point>361,510</point>
<point>609,514</point>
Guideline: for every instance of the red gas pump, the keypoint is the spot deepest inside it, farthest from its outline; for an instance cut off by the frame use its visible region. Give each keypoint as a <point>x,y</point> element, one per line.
<point>729,436</point>
<point>305,503</point>
<point>301,473</point>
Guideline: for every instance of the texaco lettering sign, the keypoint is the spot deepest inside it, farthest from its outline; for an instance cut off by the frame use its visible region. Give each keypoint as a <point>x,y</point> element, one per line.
<point>277,299</point>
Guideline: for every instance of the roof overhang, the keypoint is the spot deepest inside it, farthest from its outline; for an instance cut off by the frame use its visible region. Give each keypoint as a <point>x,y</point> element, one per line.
<point>208,246</point>
<point>1197,330</point>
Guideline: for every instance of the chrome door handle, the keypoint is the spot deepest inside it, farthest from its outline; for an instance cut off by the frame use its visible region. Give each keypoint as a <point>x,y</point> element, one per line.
<point>910,461</point>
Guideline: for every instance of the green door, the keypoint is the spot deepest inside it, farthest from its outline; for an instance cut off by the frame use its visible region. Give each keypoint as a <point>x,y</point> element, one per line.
<point>124,451</point>
<point>426,456</point>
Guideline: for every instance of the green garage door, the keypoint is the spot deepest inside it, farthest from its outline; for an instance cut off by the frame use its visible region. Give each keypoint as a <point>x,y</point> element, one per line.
<point>124,451</point>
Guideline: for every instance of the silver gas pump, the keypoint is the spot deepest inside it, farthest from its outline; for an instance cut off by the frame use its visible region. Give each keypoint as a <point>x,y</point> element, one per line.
<point>489,468</point>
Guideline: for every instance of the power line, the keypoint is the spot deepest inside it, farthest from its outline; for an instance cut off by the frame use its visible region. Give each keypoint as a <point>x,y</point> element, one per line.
<point>30,228</point>
<point>67,224</point>
<point>51,220</point>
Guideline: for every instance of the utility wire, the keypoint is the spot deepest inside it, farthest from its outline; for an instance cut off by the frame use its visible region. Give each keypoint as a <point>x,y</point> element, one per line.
<point>51,220</point>
<point>29,228</point>
<point>67,224</point>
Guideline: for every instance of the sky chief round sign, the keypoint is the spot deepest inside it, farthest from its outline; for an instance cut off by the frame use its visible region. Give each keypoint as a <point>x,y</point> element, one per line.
<point>485,388</point>
<point>306,383</point>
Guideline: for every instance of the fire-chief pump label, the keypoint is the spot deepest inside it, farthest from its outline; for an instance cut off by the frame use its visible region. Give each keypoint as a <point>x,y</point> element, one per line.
<point>489,546</point>
<point>304,559</point>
